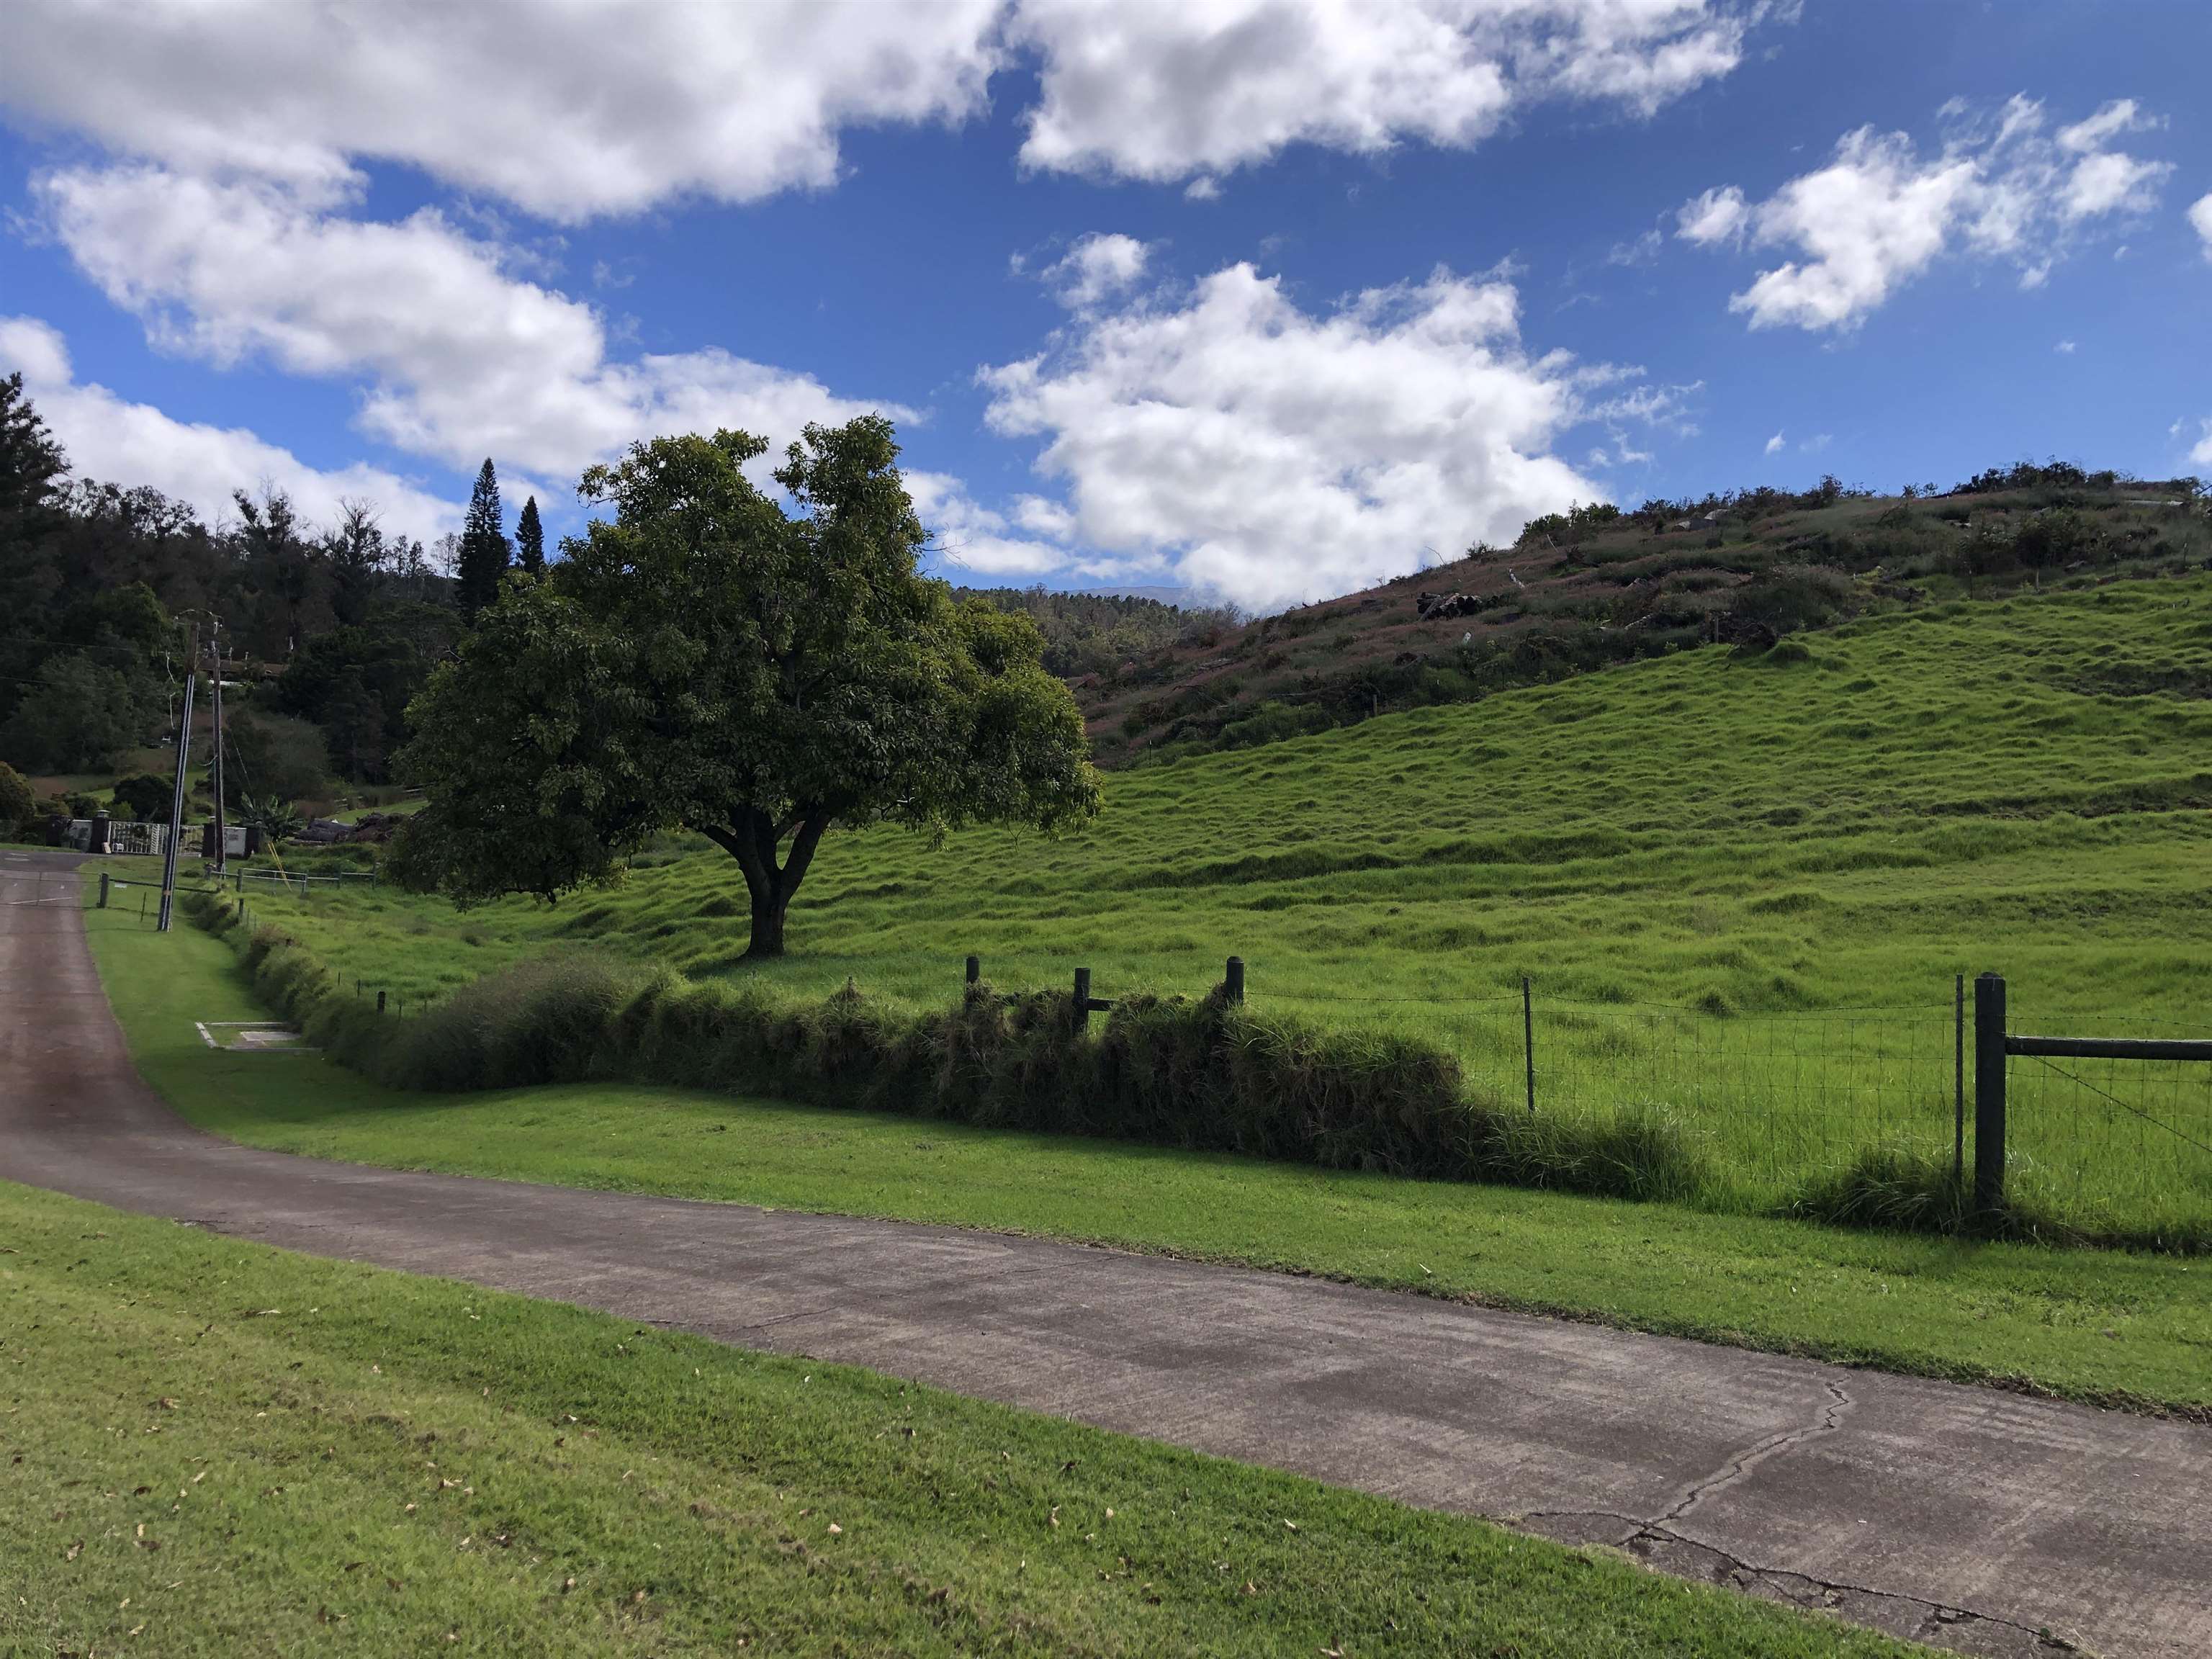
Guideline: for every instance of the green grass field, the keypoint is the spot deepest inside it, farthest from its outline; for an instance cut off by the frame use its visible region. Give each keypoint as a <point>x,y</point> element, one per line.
<point>215,1447</point>
<point>2106,1326</point>
<point>1741,887</point>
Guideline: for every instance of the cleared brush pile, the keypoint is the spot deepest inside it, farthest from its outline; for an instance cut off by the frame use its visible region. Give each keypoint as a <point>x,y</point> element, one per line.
<point>1197,1072</point>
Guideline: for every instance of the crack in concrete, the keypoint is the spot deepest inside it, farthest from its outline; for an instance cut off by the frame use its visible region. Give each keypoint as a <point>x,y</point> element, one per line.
<point>1936,1622</point>
<point>1937,1619</point>
<point>1831,1417</point>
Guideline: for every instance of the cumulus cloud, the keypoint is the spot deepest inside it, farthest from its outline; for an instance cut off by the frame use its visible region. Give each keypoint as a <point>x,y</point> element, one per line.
<point>966,533</point>
<point>1168,92</point>
<point>1095,268</point>
<point>1880,213</point>
<point>460,357</point>
<point>600,107</point>
<point>2200,217</point>
<point>1776,445</point>
<point>591,109</point>
<point>1716,217</point>
<point>110,438</point>
<point>2201,454</point>
<point>1228,440</point>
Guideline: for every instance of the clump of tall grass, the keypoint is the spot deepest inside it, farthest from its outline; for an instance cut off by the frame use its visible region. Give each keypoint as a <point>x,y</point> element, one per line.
<point>1900,1185</point>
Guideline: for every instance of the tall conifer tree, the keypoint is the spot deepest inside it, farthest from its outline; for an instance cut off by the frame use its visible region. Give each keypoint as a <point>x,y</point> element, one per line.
<point>530,539</point>
<point>484,553</point>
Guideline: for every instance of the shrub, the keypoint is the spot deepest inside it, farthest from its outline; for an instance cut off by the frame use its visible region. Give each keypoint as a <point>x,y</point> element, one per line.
<point>144,796</point>
<point>19,804</point>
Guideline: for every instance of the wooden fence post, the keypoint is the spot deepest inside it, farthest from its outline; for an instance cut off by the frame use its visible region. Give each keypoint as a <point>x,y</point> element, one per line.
<point>1959,1081</point>
<point>1989,1092</point>
<point>1232,982</point>
<point>1528,1039</point>
<point>1082,998</point>
<point>975,971</point>
<point>380,1002</point>
<point>103,890</point>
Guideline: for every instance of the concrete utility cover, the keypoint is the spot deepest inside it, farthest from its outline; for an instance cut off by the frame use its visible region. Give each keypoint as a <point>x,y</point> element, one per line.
<point>253,1037</point>
<point>1973,1518</point>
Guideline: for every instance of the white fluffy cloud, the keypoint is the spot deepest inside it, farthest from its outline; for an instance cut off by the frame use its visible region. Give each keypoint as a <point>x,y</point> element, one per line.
<point>1175,91</point>
<point>978,538</point>
<point>1717,215</point>
<point>1095,268</point>
<point>591,108</point>
<point>1231,441</point>
<point>568,111</point>
<point>2201,455</point>
<point>110,438</point>
<point>2200,216</point>
<point>458,357</point>
<point>1879,214</point>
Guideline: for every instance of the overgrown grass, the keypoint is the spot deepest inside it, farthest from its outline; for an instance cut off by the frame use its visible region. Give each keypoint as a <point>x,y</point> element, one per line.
<point>1742,889</point>
<point>2109,1327</point>
<point>214,1448</point>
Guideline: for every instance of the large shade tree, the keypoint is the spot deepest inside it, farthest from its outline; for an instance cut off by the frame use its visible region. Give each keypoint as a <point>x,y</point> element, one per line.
<point>704,659</point>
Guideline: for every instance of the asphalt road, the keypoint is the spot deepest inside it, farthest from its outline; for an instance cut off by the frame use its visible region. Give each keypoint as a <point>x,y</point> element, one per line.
<point>1969,1517</point>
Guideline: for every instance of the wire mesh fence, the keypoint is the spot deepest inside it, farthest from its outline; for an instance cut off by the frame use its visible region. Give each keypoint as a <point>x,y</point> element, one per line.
<point>2119,1143</point>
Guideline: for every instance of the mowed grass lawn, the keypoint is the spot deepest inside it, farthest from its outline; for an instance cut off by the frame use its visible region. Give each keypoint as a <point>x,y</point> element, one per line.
<point>215,1447</point>
<point>2096,1325</point>
<point>1743,888</point>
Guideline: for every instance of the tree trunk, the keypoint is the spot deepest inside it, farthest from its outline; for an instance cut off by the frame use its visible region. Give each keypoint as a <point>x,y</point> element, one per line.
<point>769,882</point>
<point>768,913</point>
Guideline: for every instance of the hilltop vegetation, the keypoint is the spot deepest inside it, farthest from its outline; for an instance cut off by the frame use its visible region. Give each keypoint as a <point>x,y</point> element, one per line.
<point>1597,586</point>
<point>1087,633</point>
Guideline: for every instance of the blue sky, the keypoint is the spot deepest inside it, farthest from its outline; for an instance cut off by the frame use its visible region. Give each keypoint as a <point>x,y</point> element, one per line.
<point>1270,299</point>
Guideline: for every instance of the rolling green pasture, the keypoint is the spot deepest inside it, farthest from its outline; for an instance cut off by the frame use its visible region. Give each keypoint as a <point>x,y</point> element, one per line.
<point>1741,888</point>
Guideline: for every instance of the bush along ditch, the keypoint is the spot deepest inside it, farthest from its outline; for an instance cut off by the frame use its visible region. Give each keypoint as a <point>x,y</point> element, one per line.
<point>1204,1073</point>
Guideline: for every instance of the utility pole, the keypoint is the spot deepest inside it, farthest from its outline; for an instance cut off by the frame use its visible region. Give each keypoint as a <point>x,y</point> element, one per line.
<point>177,801</point>
<point>215,688</point>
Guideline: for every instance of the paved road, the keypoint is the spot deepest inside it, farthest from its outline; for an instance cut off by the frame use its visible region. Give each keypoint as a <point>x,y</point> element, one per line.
<point>1964,1516</point>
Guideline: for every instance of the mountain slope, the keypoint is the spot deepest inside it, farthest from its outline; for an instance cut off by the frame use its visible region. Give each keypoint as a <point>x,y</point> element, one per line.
<point>1594,587</point>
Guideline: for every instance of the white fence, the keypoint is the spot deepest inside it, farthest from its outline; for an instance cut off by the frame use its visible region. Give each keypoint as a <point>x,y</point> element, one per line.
<point>129,840</point>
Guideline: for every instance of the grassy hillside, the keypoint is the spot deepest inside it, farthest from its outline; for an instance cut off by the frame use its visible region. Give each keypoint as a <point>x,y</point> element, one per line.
<point>1592,588</point>
<point>1711,867</point>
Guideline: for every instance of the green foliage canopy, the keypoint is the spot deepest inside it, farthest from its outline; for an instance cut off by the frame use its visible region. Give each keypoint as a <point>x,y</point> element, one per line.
<point>273,757</point>
<point>144,797</point>
<point>79,717</point>
<point>702,660</point>
<point>19,804</point>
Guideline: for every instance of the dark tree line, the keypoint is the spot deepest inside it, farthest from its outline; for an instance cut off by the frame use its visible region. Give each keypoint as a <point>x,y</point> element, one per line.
<point>328,630</point>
